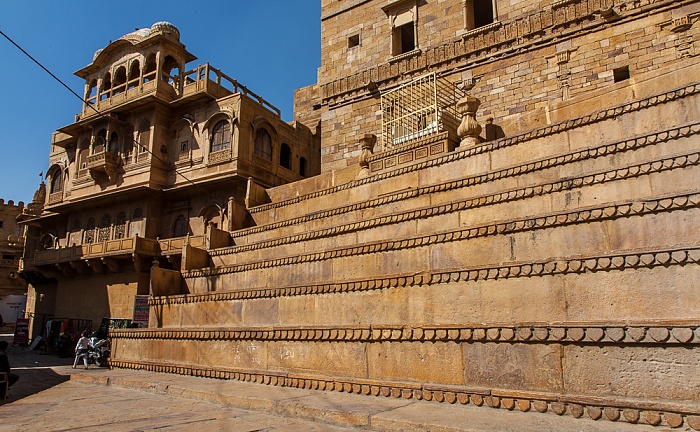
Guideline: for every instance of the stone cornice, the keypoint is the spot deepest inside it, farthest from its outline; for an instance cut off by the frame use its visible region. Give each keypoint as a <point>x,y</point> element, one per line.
<point>570,183</point>
<point>655,413</point>
<point>620,333</point>
<point>598,116</point>
<point>612,261</point>
<point>608,211</point>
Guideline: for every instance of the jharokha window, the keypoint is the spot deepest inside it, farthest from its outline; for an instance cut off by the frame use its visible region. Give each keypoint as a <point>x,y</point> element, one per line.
<point>221,136</point>
<point>263,144</point>
<point>57,181</point>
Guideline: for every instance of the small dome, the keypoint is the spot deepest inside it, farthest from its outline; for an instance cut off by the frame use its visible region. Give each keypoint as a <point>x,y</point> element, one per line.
<point>96,54</point>
<point>166,28</point>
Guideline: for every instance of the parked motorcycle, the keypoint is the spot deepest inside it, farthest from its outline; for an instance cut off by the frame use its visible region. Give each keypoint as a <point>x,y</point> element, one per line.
<point>98,351</point>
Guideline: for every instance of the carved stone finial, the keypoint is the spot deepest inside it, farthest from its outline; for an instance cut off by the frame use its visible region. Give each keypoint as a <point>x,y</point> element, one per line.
<point>469,129</point>
<point>367,143</point>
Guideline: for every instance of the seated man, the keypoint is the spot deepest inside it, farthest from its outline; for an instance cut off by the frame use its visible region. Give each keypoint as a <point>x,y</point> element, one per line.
<point>5,366</point>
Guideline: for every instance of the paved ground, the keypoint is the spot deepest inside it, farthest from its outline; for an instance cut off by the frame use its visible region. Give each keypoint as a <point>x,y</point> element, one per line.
<point>51,396</point>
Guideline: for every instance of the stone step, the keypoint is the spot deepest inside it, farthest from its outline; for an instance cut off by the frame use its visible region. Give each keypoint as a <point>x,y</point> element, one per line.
<point>571,136</point>
<point>369,412</point>
<point>607,167</point>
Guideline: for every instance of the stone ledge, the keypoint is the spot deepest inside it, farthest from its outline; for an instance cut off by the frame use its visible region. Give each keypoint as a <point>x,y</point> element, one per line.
<point>620,173</point>
<point>623,410</point>
<point>617,260</point>
<point>608,211</point>
<point>601,115</point>
<point>667,332</point>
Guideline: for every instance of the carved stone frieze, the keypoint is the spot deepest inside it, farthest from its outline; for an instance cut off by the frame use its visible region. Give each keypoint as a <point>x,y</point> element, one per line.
<point>599,116</point>
<point>621,333</point>
<point>621,173</point>
<point>556,265</point>
<point>583,215</point>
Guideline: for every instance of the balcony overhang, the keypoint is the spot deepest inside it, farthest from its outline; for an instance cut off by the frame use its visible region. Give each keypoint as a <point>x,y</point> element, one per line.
<point>103,164</point>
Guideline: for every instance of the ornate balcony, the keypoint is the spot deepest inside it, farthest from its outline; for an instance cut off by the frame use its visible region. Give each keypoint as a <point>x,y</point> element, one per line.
<point>56,198</point>
<point>104,163</point>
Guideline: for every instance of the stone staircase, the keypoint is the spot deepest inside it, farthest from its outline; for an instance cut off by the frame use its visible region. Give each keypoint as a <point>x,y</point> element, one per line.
<point>551,271</point>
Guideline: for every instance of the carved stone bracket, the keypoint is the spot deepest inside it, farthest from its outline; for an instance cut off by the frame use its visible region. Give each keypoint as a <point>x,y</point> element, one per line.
<point>96,265</point>
<point>367,143</point>
<point>469,129</point>
<point>112,264</point>
<point>80,267</point>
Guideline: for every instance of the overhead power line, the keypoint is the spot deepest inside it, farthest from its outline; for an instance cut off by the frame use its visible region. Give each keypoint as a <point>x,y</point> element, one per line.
<point>101,114</point>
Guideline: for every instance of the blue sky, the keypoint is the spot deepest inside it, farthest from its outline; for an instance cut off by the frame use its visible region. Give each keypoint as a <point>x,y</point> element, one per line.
<point>271,46</point>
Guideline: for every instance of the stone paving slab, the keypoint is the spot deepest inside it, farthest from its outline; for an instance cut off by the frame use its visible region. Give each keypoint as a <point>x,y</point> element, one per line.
<point>346,410</point>
<point>100,399</point>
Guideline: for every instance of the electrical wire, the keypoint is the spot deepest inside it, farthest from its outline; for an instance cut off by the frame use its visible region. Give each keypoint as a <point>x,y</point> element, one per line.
<point>102,115</point>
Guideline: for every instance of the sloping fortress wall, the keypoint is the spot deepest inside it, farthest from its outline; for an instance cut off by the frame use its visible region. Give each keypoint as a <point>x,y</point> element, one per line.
<point>540,254</point>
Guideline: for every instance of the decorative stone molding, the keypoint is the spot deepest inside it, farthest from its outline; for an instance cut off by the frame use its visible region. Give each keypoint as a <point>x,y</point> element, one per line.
<point>608,211</point>
<point>601,115</point>
<point>596,333</point>
<point>579,406</point>
<point>219,157</point>
<point>614,261</point>
<point>623,172</point>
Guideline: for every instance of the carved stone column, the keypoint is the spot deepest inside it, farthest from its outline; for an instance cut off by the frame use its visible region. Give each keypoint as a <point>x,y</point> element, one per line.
<point>367,143</point>
<point>469,130</point>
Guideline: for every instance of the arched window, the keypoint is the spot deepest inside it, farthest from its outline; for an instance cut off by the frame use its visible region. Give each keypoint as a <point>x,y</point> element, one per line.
<point>221,136</point>
<point>83,151</point>
<point>57,181</point>
<point>149,72</point>
<point>89,236</point>
<point>91,94</point>
<point>170,70</point>
<point>128,148</point>
<point>138,214</point>
<point>144,136</point>
<point>134,74</point>
<point>98,145</point>
<point>105,228</point>
<point>120,227</point>
<point>302,167</point>
<point>286,156</point>
<point>114,143</point>
<point>180,228</point>
<point>263,144</point>
<point>106,86</point>
<point>120,80</point>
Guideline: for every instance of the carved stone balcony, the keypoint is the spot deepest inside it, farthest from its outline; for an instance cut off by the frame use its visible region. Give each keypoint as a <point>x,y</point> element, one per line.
<point>56,198</point>
<point>104,163</point>
<point>133,253</point>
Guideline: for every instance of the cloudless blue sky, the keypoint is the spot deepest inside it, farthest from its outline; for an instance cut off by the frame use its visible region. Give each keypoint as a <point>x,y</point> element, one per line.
<point>271,46</point>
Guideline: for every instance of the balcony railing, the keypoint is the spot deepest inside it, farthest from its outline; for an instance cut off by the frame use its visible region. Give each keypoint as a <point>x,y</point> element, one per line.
<point>202,79</point>
<point>125,246</point>
<point>139,245</point>
<point>175,244</point>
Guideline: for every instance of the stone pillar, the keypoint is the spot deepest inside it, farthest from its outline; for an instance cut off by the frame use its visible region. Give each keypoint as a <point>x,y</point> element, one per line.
<point>469,130</point>
<point>367,143</point>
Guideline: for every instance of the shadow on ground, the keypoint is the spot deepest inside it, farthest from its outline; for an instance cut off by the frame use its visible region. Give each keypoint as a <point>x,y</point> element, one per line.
<point>37,371</point>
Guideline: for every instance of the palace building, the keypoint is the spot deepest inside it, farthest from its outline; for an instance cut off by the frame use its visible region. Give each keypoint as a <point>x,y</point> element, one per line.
<point>161,154</point>
<point>479,202</point>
